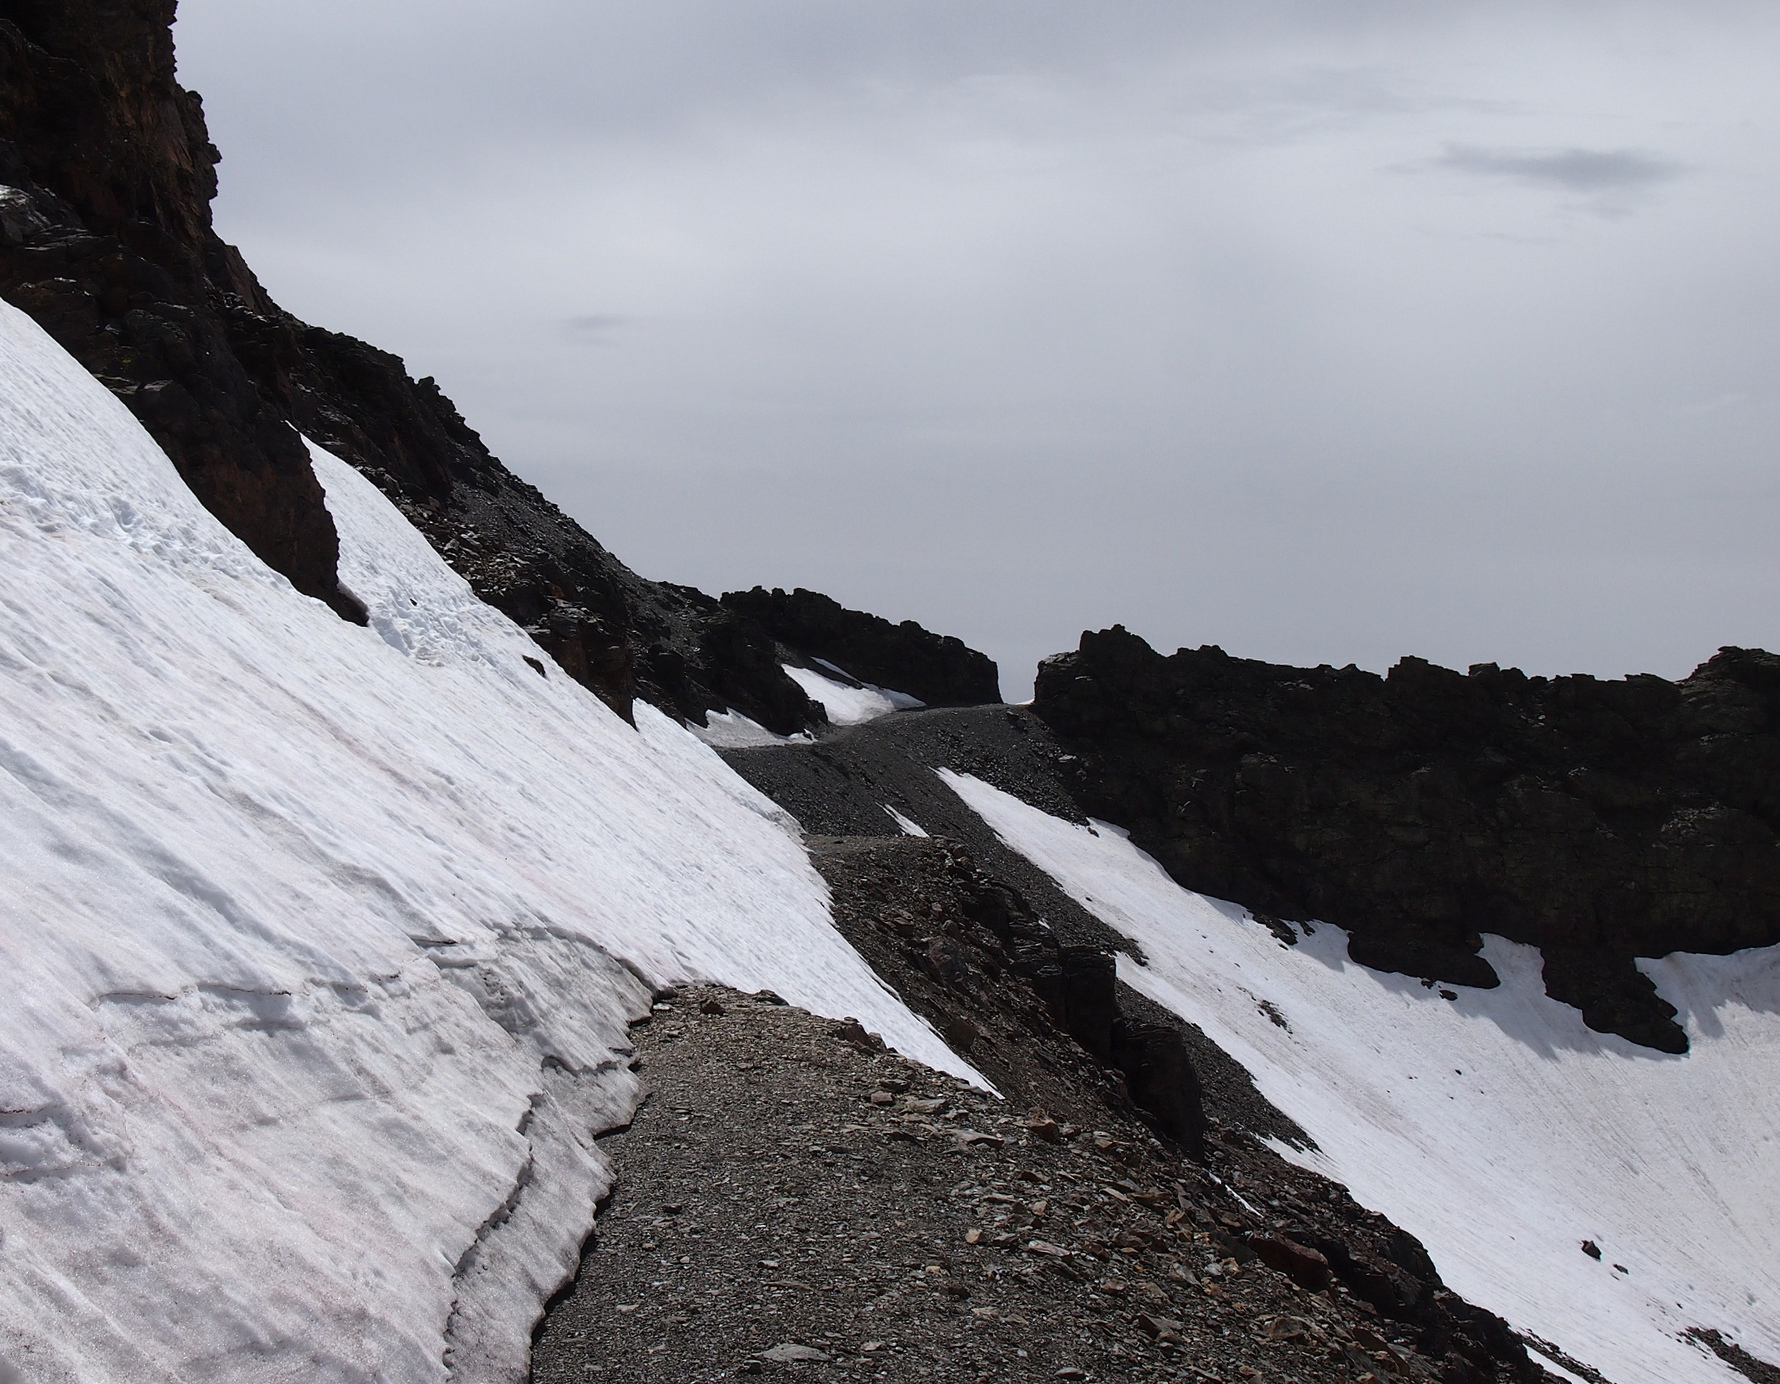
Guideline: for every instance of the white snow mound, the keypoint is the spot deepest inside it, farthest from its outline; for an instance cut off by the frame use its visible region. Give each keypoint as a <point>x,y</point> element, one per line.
<point>295,912</point>
<point>730,730</point>
<point>1495,1127</point>
<point>849,703</point>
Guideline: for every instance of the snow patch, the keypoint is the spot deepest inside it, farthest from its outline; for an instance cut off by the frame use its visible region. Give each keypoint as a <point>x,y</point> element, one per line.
<point>1495,1127</point>
<point>909,828</point>
<point>730,730</point>
<point>850,702</point>
<point>321,941</point>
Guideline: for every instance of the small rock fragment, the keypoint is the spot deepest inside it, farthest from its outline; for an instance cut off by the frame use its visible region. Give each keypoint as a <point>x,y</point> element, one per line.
<point>1303,1265</point>
<point>790,1353</point>
<point>1160,1328</point>
<point>1045,1128</point>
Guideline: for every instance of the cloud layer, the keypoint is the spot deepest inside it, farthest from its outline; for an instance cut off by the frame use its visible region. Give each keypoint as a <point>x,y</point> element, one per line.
<point>1017,318</point>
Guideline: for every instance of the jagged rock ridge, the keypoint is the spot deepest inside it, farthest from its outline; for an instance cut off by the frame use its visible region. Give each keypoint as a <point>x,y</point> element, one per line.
<point>1598,820</point>
<point>938,669</point>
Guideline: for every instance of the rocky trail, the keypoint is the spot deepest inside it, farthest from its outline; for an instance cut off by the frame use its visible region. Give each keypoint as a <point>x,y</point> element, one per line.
<point>792,1200</point>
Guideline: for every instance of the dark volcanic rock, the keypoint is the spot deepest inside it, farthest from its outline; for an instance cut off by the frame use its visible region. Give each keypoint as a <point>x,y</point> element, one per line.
<point>1023,941</point>
<point>1597,820</point>
<point>1749,1366</point>
<point>105,239</point>
<point>938,669</point>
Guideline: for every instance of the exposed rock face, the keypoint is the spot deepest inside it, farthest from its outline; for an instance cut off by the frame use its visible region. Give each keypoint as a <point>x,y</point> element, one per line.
<point>940,670</point>
<point>105,239</point>
<point>106,178</point>
<point>1597,820</point>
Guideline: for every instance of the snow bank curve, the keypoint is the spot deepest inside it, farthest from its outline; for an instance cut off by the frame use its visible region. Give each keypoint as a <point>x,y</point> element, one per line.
<point>1493,1125</point>
<point>320,942</point>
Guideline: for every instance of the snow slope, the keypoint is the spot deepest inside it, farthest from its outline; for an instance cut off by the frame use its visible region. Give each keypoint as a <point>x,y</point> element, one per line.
<point>320,941</point>
<point>849,705</point>
<point>1495,1126</point>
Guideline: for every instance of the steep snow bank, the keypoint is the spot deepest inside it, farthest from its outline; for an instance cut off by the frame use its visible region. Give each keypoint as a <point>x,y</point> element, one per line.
<point>320,941</point>
<point>1494,1126</point>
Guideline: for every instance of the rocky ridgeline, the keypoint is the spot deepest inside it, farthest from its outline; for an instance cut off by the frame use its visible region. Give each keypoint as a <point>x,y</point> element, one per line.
<point>1597,820</point>
<point>795,1201</point>
<point>106,178</point>
<point>939,670</point>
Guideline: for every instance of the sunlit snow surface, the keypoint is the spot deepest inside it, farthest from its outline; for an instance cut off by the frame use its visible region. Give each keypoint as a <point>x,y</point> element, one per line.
<point>848,706</point>
<point>1496,1127</point>
<point>299,921</point>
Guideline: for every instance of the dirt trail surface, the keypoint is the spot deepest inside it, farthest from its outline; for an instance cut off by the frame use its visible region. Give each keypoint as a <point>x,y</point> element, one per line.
<point>794,1202</point>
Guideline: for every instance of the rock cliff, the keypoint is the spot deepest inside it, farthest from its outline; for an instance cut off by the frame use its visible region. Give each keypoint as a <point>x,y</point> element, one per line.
<point>1598,820</point>
<point>939,670</point>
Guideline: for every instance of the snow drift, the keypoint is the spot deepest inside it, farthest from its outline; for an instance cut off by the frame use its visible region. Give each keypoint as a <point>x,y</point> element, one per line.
<point>1493,1125</point>
<point>321,941</point>
<point>849,703</point>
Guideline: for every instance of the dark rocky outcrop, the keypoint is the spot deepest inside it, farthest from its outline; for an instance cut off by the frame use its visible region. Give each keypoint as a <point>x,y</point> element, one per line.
<point>967,951</point>
<point>106,178</point>
<point>1751,1367</point>
<point>1597,820</point>
<point>938,669</point>
<point>105,239</point>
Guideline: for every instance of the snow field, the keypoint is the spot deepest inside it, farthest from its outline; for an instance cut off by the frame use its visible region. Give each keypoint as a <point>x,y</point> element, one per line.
<point>1495,1127</point>
<point>730,730</point>
<point>848,705</point>
<point>320,941</point>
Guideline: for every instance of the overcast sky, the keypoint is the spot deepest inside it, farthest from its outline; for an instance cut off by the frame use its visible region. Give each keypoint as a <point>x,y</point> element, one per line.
<point>1326,332</point>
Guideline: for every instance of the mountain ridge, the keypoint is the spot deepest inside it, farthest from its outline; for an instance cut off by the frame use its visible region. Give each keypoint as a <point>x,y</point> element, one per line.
<point>106,240</point>
<point>1597,820</point>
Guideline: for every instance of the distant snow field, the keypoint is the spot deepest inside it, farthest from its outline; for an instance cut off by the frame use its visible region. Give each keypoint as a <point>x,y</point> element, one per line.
<point>320,942</point>
<point>730,730</point>
<point>1496,1127</point>
<point>847,705</point>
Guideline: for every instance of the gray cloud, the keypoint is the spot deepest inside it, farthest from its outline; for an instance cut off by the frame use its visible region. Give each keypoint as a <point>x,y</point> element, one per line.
<point>1022,316</point>
<point>595,326</point>
<point>1574,170</point>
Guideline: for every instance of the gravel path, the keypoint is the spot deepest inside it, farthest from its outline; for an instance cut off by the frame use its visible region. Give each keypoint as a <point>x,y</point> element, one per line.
<point>793,1202</point>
